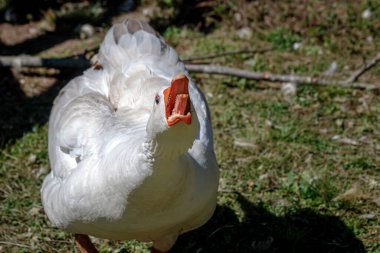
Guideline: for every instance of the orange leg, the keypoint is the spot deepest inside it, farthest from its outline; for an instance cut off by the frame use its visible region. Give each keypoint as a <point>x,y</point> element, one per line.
<point>84,244</point>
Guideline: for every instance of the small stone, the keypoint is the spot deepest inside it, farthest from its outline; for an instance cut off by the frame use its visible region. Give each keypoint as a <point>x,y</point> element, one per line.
<point>268,123</point>
<point>289,89</point>
<point>263,176</point>
<point>32,158</point>
<point>86,31</point>
<point>297,45</point>
<point>339,122</point>
<point>244,33</point>
<point>237,17</point>
<point>366,14</point>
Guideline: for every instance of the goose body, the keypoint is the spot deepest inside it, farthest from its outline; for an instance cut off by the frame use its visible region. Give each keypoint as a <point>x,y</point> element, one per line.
<point>119,169</point>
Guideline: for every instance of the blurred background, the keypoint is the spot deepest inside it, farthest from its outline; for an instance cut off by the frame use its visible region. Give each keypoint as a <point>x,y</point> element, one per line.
<point>300,163</point>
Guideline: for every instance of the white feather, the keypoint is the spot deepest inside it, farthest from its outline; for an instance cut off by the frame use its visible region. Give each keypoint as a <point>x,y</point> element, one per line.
<point>109,177</point>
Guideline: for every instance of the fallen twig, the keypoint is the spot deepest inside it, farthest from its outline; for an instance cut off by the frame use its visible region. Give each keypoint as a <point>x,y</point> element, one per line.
<point>214,69</point>
<point>29,61</point>
<point>364,69</point>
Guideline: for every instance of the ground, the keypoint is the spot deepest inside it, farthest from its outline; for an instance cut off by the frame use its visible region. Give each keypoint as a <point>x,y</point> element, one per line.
<point>300,171</point>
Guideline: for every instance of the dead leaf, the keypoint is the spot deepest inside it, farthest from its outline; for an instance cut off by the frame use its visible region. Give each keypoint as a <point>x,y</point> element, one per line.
<point>367,216</point>
<point>376,201</point>
<point>245,143</point>
<point>353,193</point>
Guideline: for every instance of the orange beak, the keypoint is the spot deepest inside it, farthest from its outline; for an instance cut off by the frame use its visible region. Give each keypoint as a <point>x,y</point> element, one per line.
<point>177,101</point>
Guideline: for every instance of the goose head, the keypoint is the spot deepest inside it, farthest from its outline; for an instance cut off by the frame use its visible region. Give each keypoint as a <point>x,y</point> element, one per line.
<point>173,122</point>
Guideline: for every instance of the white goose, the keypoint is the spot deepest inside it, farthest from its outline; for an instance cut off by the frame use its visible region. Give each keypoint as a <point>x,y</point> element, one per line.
<point>130,146</point>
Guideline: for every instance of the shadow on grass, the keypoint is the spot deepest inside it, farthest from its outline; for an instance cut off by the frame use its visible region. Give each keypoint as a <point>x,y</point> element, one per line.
<point>36,45</point>
<point>191,14</point>
<point>19,113</point>
<point>261,231</point>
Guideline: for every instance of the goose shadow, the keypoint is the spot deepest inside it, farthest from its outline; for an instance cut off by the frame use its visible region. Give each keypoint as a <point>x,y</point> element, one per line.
<point>303,230</point>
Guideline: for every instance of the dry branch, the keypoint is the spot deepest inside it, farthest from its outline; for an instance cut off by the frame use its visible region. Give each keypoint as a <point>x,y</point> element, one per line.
<point>364,69</point>
<point>260,76</point>
<point>29,61</point>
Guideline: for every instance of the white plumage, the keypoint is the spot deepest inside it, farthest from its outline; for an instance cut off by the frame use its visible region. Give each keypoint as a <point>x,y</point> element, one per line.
<point>118,170</point>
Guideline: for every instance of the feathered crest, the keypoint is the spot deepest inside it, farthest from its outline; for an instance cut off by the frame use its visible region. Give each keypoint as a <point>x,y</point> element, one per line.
<point>135,42</point>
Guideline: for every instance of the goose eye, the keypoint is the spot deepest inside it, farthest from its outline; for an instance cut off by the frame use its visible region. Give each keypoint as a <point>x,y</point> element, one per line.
<point>157,99</point>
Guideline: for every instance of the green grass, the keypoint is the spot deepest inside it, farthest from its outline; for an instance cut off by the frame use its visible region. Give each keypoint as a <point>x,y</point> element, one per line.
<point>282,39</point>
<point>284,160</point>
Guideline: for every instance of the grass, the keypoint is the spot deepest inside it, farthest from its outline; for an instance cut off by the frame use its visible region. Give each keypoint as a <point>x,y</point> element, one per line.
<point>288,163</point>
